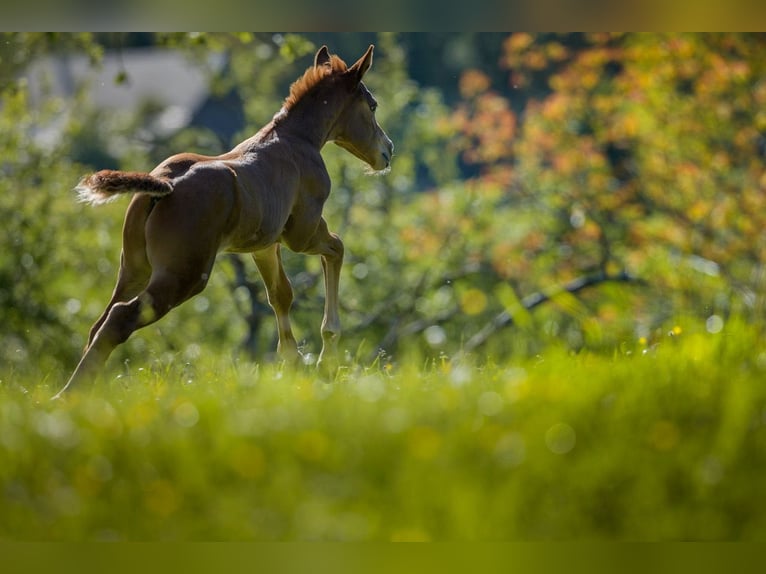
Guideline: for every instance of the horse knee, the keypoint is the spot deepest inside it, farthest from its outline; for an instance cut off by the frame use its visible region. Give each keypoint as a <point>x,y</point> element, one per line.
<point>336,248</point>
<point>167,290</point>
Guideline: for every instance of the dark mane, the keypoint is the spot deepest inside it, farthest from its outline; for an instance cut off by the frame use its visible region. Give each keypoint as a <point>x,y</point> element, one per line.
<point>311,78</point>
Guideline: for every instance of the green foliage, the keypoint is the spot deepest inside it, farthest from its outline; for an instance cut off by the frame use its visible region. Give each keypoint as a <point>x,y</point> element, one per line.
<point>662,441</point>
<point>42,287</point>
<point>18,50</point>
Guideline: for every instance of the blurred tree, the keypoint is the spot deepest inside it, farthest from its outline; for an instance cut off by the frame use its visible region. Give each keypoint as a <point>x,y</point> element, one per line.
<point>645,154</point>
<point>35,310</point>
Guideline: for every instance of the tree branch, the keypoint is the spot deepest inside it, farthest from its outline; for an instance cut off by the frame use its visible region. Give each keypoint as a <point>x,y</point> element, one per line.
<point>533,300</point>
<point>255,314</point>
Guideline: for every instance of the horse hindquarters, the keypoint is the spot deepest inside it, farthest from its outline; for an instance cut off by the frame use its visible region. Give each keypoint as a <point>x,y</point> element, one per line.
<point>135,270</point>
<point>168,254</point>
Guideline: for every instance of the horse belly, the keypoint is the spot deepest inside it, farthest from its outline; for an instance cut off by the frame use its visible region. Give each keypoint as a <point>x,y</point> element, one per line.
<point>254,243</point>
<point>258,228</point>
<point>266,193</point>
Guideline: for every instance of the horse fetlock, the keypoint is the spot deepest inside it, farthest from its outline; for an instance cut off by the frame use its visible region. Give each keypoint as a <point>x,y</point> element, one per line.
<point>329,354</point>
<point>288,351</point>
<point>328,362</point>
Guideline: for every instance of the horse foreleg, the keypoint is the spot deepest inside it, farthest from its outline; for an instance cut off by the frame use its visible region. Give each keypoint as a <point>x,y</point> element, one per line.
<point>280,294</point>
<point>331,265</point>
<point>330,247</point>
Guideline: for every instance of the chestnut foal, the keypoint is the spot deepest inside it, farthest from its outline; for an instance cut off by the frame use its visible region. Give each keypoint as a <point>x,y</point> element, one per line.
<point>267,191</point>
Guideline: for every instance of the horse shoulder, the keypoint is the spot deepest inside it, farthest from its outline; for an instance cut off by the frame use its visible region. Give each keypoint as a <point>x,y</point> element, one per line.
<point>313,175</point>
<point>266,185</point>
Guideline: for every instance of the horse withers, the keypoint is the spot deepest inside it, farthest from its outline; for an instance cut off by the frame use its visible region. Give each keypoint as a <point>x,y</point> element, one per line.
<point>267,191</point>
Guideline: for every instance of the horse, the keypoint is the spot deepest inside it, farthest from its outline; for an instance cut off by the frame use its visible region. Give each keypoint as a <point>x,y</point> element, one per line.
<point>266,192</point>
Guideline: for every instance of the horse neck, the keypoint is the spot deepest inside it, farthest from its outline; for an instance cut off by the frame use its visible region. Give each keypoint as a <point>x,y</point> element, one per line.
<point>302,121</point>
<point>310,120</point>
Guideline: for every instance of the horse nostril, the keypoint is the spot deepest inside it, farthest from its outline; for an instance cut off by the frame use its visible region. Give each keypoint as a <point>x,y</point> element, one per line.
<point>386,157</point>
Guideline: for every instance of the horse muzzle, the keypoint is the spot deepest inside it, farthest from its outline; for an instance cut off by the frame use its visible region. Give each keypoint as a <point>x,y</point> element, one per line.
<point>387,152</point>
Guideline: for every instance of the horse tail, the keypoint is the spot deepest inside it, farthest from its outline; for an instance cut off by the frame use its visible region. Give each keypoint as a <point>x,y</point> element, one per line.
<point>107,184</point>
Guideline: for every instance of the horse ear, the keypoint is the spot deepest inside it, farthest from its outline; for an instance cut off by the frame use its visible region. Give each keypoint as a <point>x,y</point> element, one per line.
<point>322,57</point>
<point>360,67</point>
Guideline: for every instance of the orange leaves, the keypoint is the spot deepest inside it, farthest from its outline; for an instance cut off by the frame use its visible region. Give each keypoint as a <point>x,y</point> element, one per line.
<point>586,71</point>
<point>759,95</point>
<point>420,242</point>
<point>522,52</point>
<point>628,149</point>
<point>626,126</point>
<point>485,121</point>
<point>506,259</point>
<point>556,108</point>
<point>517,43</point>
<point>473,83</point>
<point>722,73</point>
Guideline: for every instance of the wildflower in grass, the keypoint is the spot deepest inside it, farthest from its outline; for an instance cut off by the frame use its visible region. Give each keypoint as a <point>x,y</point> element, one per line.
<point>473,301</point>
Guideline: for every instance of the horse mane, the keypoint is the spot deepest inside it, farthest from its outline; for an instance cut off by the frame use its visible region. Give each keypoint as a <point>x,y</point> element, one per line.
<point>313,76</point>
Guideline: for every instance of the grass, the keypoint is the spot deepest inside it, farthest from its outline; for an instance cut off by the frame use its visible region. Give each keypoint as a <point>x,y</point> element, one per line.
<point>661,441</point>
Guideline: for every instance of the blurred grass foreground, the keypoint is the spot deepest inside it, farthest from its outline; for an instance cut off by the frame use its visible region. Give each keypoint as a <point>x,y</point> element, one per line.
<point>658,442</point>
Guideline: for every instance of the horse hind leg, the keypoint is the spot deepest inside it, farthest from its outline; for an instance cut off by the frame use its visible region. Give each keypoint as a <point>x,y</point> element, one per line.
<point>131,280</point>
<point>164,292</point>
<point>135,269</point>
<point>119,322</point>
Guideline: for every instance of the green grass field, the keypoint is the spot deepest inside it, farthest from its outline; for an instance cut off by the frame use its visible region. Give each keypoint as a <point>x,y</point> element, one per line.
<point>663,440</point>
